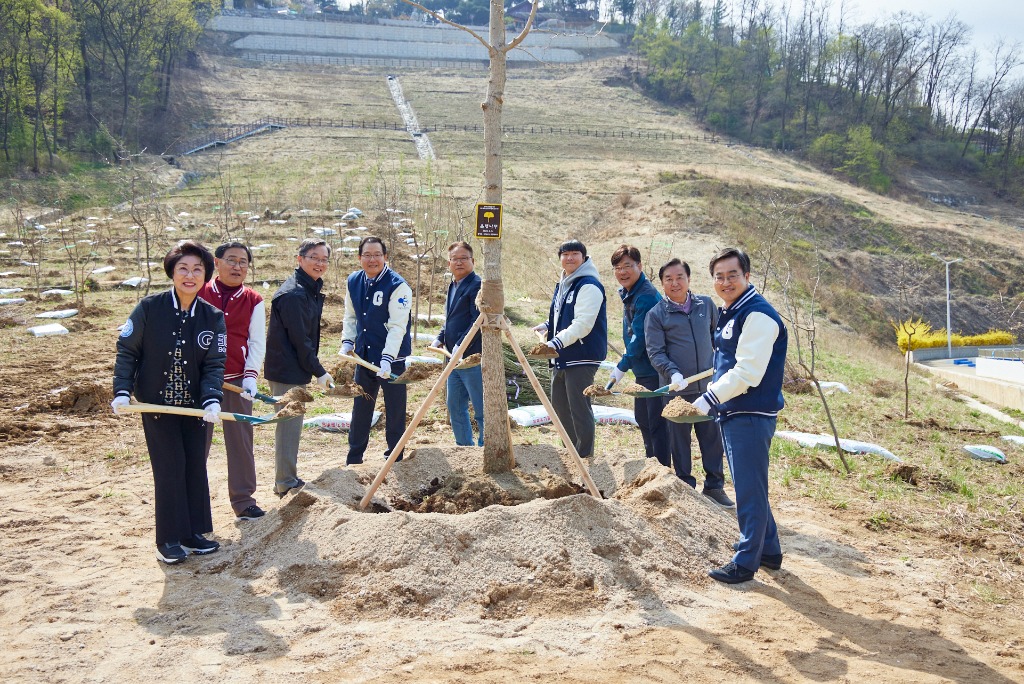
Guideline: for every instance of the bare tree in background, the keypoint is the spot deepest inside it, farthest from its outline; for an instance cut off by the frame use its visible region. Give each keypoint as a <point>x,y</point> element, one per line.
<point>497,434</point>
<point>907,279</point>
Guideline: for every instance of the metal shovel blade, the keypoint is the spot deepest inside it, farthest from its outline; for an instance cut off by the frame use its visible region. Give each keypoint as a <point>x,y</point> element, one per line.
<point>689,419</point>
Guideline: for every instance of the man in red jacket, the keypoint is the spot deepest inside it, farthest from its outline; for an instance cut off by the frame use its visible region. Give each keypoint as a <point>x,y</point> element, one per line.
<point>245,316</point>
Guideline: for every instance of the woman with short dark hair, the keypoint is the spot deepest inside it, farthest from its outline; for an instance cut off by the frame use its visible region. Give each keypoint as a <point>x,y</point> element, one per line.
<point>171,351</point>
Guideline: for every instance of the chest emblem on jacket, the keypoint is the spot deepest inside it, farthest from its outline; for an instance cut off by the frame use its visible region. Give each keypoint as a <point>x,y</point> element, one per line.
<point>205,338</point>
<point>378,298</point>
<point>727,331</point>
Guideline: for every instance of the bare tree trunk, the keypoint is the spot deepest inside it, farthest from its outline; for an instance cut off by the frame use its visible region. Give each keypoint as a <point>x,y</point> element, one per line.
<point>497,434</point>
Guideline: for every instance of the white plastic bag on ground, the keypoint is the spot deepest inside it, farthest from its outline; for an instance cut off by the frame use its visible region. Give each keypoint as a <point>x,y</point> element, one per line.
<point>529,416</point>
<point>609,415</point>
<point>1016,439</point>
<point>409,360</point>
<point>336,422</point>
<point>57,291</point>
<point>15,300</point>
<point>63,313</point>
<point>852,446</point>
<point>826,386</point>
<point>48,329</point>
<point>983,452</point>
<point>10,290</point>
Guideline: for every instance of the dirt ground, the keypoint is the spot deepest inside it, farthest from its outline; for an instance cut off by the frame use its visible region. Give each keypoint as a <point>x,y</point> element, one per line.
<point>555,589</point>
<point>562,587</point>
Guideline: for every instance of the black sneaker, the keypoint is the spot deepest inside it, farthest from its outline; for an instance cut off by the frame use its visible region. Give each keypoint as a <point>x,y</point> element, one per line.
<point>719,497</point>
<point>300,484</point>
<point>771,561</point>
<point>200,545</point>
<point>730,573</point>
<point>251,513</point>
<point>171,553</point>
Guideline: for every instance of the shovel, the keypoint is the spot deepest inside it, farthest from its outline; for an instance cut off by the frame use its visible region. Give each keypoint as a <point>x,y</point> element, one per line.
<point>663,391</point>
<point>265,398</point>
<point>462,364</point>
<point>199,413</point>
<point>366,364</point>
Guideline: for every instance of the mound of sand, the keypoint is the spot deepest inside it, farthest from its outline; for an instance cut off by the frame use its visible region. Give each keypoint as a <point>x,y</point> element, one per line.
<point>654,536</point>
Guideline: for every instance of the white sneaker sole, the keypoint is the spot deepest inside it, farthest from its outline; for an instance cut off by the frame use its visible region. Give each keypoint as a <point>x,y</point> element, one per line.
<point>169,561</point>
<point>199,552</point>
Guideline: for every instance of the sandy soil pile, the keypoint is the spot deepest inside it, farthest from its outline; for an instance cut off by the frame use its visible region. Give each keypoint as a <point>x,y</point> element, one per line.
<point>547,556</point>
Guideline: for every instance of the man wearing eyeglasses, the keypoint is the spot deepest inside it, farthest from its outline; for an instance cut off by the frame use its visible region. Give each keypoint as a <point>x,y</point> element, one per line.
<point>293,342</point>
<point>378,302</point>
<point>746,393</point>
<point>460,312</point>
<point>245,316</point>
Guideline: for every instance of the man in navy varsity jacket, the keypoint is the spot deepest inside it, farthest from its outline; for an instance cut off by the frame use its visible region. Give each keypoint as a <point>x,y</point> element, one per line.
<point>460,312</point>
<point>377,306</point>
<point>577,327</point>
<point>746,392</point>
<point>246,319</point>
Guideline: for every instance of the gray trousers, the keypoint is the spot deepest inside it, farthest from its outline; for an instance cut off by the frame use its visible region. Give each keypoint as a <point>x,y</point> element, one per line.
<point>287,434</point>
<point>572,407</point>
<point>238,445</point>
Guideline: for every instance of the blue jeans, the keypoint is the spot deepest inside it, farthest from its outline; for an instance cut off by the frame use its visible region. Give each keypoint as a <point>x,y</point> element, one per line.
<point>464,386</point>
<point>747,439</point>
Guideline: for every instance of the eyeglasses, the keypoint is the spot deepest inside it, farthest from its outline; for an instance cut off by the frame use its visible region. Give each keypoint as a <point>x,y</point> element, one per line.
<point>317,261</point>
<point>459,260</point>
<point>377,255</point>
<point>625,267</point>
<point>185,271</point>
<point>237,263</point>
<point>731,278</point>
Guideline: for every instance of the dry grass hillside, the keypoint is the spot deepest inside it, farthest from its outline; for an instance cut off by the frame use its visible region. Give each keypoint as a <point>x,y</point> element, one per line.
<point>893,572</point>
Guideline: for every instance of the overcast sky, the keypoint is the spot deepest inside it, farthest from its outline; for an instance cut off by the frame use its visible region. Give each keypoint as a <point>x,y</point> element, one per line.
<point>988,19</point>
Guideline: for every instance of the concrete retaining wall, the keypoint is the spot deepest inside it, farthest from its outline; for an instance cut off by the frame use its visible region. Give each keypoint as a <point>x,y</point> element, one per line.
<point>403,34</point>
<point>936,353</point>
<point>997,392</point>
<point>395,50</point>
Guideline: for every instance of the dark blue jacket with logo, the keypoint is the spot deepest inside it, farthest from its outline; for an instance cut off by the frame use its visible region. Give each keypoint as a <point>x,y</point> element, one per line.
<point>636,302</point>
<point>146,346</point>
<point>370,300</point>
<point>592,348</point>
<point>293,335</point>
<point>736,388</point>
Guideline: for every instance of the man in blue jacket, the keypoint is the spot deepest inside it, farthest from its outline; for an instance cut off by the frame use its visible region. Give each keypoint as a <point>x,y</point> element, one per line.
<point>460,312</point>
<point>638,297</point>
<point>750,356</point>
<point>378,302</point>
<point>577,328</point>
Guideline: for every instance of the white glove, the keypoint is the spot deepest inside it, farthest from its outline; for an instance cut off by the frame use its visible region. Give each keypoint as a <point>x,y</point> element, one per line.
<point>385,369</point>
<point>550,343</point>
<point>541,330</point>
<point>702,405</point>
<point>436,344</point>
<point>325,380</point>
<point>617,375</point>
<point>212,414</point>
<point>679,381</point>
<point>249,385</point>
<point>118,402</point>
<point>346,348</point>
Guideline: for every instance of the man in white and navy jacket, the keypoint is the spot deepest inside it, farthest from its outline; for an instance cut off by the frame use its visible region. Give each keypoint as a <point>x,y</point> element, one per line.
<point>378,302</point>
<point>746,394</point>
<point>246,318</point>
<point>577,327</point>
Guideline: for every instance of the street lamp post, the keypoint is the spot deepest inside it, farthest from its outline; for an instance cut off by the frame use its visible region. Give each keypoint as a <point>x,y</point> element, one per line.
<point>949,332</point>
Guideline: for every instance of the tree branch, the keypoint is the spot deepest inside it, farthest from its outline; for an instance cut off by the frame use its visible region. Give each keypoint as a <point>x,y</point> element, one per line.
<point>452,23</point>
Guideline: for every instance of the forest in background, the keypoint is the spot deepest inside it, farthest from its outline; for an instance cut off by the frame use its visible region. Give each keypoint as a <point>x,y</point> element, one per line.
<point>856,99</point>
<point>91,77</point>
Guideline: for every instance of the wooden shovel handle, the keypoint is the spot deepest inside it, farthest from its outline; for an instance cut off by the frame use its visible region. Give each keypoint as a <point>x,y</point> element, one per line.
<point>445,352</point>
<point>173,410</point>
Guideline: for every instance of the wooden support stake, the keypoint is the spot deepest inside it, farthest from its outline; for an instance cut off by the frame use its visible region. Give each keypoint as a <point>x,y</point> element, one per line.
<point>422,411</point>
<point>551,412</point>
